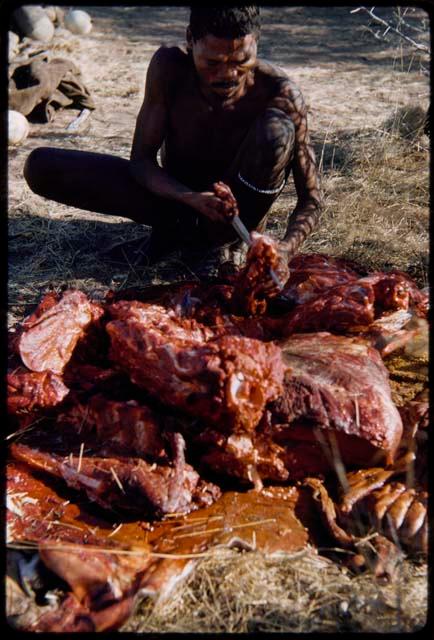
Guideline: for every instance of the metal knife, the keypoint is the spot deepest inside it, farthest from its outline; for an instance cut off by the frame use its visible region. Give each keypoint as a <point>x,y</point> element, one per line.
<point>244,234</point>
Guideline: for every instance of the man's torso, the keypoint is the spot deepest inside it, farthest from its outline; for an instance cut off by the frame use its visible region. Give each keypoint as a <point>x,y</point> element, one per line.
<point>201,140</point>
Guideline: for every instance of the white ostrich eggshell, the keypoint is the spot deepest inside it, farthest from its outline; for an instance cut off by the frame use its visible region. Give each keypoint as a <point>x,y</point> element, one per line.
<point>43,29</point>
<point>51,13</point>
<point>13,41</point>
<point>78,22</point>
<point>18,127</point>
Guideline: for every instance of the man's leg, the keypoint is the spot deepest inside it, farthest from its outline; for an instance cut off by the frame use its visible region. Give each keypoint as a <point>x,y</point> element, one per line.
<point>102,183</point>
<point>92,181</point>
<point>262,165</point>
<point>256,176</point>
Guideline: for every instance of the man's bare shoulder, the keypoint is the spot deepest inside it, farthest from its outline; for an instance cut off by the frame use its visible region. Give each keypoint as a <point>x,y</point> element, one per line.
<point>282,92</point>
<point>277,81</point>
<point>170,59</point>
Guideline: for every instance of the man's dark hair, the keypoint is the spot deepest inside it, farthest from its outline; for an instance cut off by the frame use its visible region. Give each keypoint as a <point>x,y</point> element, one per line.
<point>224,22</point>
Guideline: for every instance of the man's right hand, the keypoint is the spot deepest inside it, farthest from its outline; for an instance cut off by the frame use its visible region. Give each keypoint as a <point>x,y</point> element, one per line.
<point>218,205</point>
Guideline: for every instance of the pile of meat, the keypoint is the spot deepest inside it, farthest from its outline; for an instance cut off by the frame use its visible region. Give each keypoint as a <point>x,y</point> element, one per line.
<point>153,400</point>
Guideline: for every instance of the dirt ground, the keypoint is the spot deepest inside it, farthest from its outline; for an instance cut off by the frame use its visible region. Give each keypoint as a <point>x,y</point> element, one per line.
<point>351,82</point>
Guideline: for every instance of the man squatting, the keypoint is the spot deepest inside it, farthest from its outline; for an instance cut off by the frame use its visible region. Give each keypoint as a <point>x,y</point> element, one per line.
<point>216,113</point>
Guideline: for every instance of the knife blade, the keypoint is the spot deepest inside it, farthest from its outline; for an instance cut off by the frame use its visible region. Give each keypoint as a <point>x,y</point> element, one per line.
<point>241,230</point>
<point>244,234</point>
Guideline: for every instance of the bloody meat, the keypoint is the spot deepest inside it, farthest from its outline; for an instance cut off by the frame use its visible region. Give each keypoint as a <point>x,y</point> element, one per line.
<point>53,331</point>
<point>193,359</point>
<point>225,380</point>
<point>253,286</point>
<point>124,483</point>
<point>29,390</point>
<point>335,394</point>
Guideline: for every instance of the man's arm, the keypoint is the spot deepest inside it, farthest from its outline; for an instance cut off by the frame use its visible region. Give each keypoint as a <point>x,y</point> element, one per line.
<point>309,205</point>
<point>150,131</point>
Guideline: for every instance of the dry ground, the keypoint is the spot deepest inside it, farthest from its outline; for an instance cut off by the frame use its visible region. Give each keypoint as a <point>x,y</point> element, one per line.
<point>376,184</point>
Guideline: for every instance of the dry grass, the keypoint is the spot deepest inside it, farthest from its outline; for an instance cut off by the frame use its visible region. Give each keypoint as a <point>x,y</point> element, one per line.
<point>376,184</point>
<point>238,592</point>
<point>377,192</point>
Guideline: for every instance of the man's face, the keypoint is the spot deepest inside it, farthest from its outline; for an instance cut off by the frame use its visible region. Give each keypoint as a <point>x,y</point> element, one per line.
<point>224,65</point>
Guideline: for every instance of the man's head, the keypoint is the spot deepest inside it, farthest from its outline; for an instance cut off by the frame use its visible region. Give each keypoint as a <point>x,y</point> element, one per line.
<point>223,43</point>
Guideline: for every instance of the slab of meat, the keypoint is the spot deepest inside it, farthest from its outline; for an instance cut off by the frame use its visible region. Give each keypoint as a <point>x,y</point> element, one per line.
<point>337,384</point>
<point>329,295</point>
<point>313,273</point>
<point>127,484</point>
<point>124,428</point>
<point>226,381</point>
<point>51,334</point>
<point>166,320</point>
<point>340,308</point>
<point>31,391</point>
<point>253,285</point>
<point>336,404</point>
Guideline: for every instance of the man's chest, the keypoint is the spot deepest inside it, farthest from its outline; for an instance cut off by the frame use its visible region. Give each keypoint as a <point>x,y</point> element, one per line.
<point>202,131</point>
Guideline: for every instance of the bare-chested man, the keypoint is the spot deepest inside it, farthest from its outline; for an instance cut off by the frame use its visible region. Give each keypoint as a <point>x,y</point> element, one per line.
<point>216,114</point>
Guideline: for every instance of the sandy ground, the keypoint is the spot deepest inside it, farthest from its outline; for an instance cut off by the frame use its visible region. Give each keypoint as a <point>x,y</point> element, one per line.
<point>350,81</point>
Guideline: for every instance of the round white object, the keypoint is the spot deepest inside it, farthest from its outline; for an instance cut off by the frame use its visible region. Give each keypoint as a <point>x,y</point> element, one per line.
<point>33,22</point>
<point>51,13</point>
<point>43,29</point>
<point>18,127</point>
<point>78,22</point>
<point>13,41</point>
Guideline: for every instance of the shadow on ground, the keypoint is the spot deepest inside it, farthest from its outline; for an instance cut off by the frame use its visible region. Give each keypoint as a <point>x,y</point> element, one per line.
<point>334,35</point>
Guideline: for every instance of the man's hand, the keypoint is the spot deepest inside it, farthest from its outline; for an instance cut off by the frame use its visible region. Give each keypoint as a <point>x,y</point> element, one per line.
<point>286,251</point>
<point>284,255</point>
<point>225,194</point>
<point>218,205</point>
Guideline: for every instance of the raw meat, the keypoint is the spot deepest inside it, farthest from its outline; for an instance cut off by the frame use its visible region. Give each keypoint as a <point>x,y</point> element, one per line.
<point>226,381</point>
<point>29,391</point>
<point>336,408</point>
<point>125,483</point>
<point>253,286</point>
<point>122,428</point>
<point>52,332</point>
<point>338,384</point>
<point>312,274</point>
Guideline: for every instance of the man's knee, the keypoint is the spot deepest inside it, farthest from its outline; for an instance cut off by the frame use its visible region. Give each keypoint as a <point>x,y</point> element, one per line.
<point>269,150</point>
<point>35,169</point>
<point>275,133</point>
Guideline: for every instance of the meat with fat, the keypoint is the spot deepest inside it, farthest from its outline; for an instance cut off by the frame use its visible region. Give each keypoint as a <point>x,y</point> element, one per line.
<point>32,391</point>
<point>253,285</point>
<point>226,381</point>
<point>335,409</point>
<point>51,334</point>
<point>127,484</point>
<point>329,296</point>
<point>338,385</point>
<point>311,274</point>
